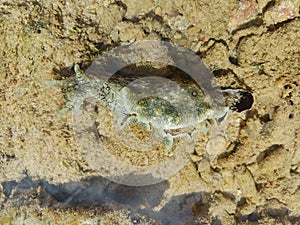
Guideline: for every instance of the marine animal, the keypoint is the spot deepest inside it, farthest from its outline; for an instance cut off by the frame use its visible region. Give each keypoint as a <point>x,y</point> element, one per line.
<point>169,108</point>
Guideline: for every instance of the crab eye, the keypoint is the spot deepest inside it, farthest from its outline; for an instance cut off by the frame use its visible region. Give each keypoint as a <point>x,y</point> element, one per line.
<point>194,93</point>
<point>142,102</point>
<point>105,89</point>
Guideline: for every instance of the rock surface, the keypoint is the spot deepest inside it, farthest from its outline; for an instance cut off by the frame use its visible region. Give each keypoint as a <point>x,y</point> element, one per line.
<point>254,45</point>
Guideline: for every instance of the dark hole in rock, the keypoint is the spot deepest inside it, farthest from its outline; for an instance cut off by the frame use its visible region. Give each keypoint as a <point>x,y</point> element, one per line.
<point>245,102</point>
<point>238,100</point>
<point>277,213</point>
<point>254,217</point>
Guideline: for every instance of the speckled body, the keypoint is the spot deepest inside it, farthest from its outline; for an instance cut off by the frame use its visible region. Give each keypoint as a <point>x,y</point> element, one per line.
<point>165,104</point>
<point>158,104</point>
